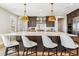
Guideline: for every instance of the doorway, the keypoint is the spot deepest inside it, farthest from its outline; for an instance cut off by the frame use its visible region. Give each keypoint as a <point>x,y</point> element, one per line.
<point>60,24</point>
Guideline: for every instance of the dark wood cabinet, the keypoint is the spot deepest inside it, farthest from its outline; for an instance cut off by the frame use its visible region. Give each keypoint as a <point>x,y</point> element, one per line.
<point>70,17</point>
<point>32,22</point>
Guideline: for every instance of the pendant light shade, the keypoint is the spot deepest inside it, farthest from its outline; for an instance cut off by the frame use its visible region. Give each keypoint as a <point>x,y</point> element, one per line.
<point>25,18</point>
<point>51,18</point>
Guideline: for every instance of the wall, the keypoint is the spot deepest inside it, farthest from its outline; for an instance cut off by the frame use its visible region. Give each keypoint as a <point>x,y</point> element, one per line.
<point>64,23</point>
<point>5,25</point>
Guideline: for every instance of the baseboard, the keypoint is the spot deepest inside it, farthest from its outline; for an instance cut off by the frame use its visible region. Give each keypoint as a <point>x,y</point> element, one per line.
<point>1,45</point>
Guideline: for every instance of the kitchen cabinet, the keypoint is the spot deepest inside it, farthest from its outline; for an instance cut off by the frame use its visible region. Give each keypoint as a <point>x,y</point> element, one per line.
<point>70,19</point>
<point>32,22</point>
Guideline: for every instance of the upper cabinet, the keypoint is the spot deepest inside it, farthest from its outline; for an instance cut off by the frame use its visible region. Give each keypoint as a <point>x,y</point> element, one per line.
<point>32,22</point>
<point>70,19</point>
<point>71,15</point>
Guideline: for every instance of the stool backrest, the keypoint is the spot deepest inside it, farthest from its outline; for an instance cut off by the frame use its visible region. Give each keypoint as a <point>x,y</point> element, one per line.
<point>26,41</point>
<point>67,41</point>
<point>46,41</point>
<point>6,41</point>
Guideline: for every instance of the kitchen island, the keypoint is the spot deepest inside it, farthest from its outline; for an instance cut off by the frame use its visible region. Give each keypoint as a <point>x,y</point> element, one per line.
<point>36,33</point>
<point>36,36</point>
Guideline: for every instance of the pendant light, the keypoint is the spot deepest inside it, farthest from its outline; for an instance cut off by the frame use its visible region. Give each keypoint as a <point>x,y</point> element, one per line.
<point>51,18</point>
<point>25,18</point>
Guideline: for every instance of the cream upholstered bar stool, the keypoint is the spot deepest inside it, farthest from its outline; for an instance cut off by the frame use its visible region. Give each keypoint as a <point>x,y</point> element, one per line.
<point>10,45</point>
<point>68,44</point>
<point>28,44</point>
<point>48,45</point>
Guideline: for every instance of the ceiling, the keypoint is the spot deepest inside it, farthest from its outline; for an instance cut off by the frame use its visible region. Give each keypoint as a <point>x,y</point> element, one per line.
<point>40,9</point>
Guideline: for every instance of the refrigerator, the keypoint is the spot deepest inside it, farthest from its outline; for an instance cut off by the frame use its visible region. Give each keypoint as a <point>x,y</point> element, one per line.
<point>76,25</point>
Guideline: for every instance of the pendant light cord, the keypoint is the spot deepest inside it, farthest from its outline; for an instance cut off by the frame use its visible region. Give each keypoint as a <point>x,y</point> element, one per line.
<point>25,9</point>
<point>51,9</point>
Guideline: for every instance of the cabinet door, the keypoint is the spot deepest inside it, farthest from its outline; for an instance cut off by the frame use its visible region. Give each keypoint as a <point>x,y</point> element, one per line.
<point>69,19</point>
<point>77,12</point>
<point>32,22</point>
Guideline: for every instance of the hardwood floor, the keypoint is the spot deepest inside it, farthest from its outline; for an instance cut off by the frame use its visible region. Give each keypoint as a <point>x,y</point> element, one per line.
<point>39,53</point>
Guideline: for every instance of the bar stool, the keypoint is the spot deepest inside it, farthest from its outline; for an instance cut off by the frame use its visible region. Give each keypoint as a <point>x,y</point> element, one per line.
<point>48,45</point>
<point>10,45</point>
<point>28,44</point>
<point>68,44</point>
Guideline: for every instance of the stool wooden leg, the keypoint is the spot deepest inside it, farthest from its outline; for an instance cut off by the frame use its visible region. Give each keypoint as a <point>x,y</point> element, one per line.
<point>18,49</point>
<point>36,50</point>
<point>65,51</point>
<point>70,53</point>
<point>56,51</point>
<point>31,50</point>
<point>61,51</point>
<point>6,51</point>
<point>43,51</point>
<point>48,52</point>
<point>23,51</point>
<point>77,51</point>
<point>27,52</point>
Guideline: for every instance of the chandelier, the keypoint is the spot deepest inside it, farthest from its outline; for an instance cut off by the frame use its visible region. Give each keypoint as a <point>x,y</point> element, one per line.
<point>25,18</point>
<point>51,18</point>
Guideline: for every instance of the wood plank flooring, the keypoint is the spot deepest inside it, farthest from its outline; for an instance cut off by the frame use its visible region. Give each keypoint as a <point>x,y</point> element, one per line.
<point>39,53</point>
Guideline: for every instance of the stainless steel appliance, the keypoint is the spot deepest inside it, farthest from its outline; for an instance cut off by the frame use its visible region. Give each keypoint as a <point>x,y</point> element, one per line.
<point>76,25</point>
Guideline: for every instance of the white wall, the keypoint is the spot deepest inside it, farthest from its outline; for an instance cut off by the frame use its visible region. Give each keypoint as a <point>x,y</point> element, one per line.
<point>65,23</point>
<point>5,21</point>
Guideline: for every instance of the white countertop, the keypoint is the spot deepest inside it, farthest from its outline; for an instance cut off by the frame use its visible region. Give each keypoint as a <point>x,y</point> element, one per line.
<point>36,34</point>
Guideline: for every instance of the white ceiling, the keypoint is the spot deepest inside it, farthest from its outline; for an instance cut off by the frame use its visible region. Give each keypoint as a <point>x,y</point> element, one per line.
<point>40,9</point>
